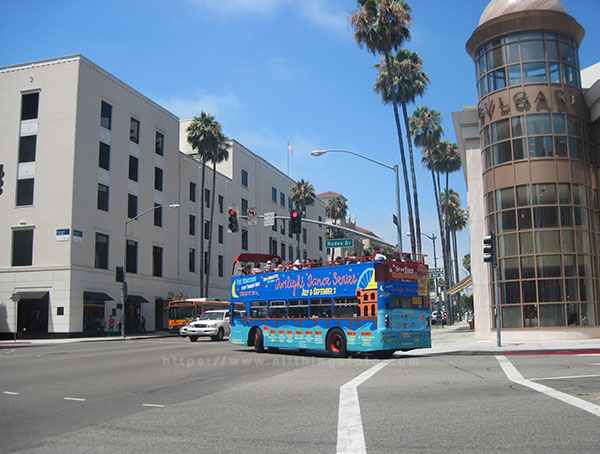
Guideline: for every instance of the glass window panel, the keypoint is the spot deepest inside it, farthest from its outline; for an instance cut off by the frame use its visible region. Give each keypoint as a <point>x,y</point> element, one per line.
<point>512,53</point>
<point>491,223</point>
<point>548,266</point>
<point>523,195</point>
<point>531,35</point>
<point>495,58</point>
<point>554,72</point>
<point>570,269</point>
<point>490,202</point>
<point>543,194</point>
<point>533,50</point>
<point>564,193</point>
<point>552,314</point>
<point>581,218</point>
<point>569,76</point>
<point>584,242</point>
<point>524,216</point>
<point>560,146</point>
<point>505,198</point>
<point>497,79</point>
<point>519,149</point>
<point>518,126</point>
<point>507,245</point>
<point>502,152</point>
<point>558,121</point>
<point>584,265</point>
<point>566,52</point>
<point>568,240</point>
<point>527,267</point>
<point>486,136</point>
<point>550,290</point>
<point>544,217</point>
<point>511,317</point>
<point>484,86</point>
<point>481,65</point>
<point>571,289</point>
<point>530,318</point>
<point>535,72</point>
<point>500,130</point>
<point>526,242</point>
<point>572,314</point>
<point>588,314</point>
<point>488,158</point>
<point>540,147</point>
<point>547,241</point>
<point>529,291</point>
<point>509,269</point>
<point>566,217</point>
<point>539,124</point>
<point>575,148</point>
<point>552,50</point>
<point>514,75</point>
<point>574,126</point>
<point>586,289</point>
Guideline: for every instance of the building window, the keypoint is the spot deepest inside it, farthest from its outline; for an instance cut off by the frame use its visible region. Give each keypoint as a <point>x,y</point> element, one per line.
<point>192,260</point>
<point>320,243</point>
<point>133,168</point>
<point>104,156</point>
<point>27,146</point>
<point>29,106</point>
<point>221,230</point>
<point>25,192</point>
<point>274,195</point>
<point>282,199</point>
<point>131,257</point>
<point>244,207</point>
<point>244,239</point>
<point>291,253</point>
<point>283,252</point>
<point>157,215</point>
<point>220,265</point>
<point>273,246</point>
<point>159,146</point>
<point>192,192</point>
<point>207,230</point>
<point>101,258</point>
<point>282,228</point>
<point>22,247</point>
<point>157,260</point>
<point>134,130</point>
<point>192,226</point>
<point>105,115</point>
<point>158,179</point>
<point>207,198</point>
<point>289,203</point>
<point>102,203</point>
<point>304,235</point>
<point>244,178</point>
<point>221,204</point>
<point>205,262</point>
<point>132,201</point>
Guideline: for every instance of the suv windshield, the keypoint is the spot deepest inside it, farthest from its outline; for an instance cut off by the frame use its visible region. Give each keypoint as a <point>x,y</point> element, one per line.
<point>212,316</point>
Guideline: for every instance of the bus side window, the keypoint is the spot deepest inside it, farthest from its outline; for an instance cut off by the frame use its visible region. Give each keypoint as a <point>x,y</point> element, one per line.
<point>346,307</point>
<point>277,309</point>
<point>320,307</point>
<point>298,309</point>
<point>258,309</point>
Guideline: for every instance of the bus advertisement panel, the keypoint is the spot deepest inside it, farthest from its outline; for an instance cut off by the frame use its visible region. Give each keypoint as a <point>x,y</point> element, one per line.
<point>373,305</point>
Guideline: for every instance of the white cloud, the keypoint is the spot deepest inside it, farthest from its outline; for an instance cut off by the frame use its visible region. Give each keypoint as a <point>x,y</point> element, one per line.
<point>215,104</point>
<point>325,14</point>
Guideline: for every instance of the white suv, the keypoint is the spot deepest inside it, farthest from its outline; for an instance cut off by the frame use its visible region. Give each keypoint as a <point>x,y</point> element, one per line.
<point>211,323</point>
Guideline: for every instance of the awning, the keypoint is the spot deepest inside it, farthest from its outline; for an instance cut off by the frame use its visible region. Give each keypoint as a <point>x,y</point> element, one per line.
<point>132,299</point>
<point>96,296</point>
<point>461,285</point>
<point>30,295</point>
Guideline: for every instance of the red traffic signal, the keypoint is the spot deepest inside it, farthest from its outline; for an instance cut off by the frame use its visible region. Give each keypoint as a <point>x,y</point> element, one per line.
<point>233,221</point>
<point>295,221</point>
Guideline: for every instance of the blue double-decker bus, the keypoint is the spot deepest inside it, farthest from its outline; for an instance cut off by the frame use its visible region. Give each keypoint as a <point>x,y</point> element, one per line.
<point>376,304</point>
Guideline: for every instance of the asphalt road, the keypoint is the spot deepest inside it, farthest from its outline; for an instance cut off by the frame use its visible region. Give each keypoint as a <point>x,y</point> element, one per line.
<point>171,395</point>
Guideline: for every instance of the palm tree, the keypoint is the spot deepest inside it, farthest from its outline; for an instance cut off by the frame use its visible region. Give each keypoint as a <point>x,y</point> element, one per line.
<point>336,209</point>
<point>382,26</point>
<point>454,222</point>
<point>467,262</point>
<point>203,135</point>
<point>220,154</point>
<point>302,194</point>
<point>408,83</point>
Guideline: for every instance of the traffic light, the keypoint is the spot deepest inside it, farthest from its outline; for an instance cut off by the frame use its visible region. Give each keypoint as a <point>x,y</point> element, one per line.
<point>119,277</point>
<point>489,251</point>
<point>295,221</point>
<point>1,177</point>
<point>233,221</point>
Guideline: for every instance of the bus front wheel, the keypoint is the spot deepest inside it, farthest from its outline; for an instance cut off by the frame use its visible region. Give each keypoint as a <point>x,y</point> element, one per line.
<point>193,338</point>
<point>336,343</point>
<point>258,341</point>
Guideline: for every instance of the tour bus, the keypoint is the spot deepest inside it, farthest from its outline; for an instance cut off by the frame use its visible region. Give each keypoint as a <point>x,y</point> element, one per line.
<point>375,304</point>
<point>181,312</point>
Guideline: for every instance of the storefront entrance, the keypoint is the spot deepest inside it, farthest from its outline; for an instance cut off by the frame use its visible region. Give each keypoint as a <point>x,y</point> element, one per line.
<point>32,313</point>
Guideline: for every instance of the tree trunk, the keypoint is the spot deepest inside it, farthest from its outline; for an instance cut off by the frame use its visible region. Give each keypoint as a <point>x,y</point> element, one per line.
<point>210,226</point>
<point>414,181</point>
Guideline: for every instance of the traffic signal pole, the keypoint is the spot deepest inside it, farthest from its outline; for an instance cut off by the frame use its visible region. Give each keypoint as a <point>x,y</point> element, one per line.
<point>490,256</point>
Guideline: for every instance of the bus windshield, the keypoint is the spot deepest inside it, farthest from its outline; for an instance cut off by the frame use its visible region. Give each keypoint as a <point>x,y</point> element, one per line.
<point>181,312</point>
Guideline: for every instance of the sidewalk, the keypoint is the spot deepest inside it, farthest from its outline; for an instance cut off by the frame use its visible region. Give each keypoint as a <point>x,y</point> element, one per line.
<point>70,340</point>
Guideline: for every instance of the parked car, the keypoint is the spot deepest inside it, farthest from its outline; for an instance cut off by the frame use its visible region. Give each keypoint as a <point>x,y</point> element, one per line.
<point>438,317</point>
<point>213,324</point>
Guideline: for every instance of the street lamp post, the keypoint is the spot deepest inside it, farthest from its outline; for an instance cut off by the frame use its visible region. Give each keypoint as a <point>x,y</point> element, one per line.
<point>432,238</point>
<point>124,283</point>
<point>394,168</point>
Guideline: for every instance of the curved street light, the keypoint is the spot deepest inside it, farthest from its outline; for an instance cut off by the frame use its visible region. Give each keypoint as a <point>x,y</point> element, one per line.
<point>124,283</point>
<point>394,168</point>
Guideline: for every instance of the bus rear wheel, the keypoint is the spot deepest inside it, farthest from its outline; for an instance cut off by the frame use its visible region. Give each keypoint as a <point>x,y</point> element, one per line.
<point>336,343</point>
<point>258,341</point>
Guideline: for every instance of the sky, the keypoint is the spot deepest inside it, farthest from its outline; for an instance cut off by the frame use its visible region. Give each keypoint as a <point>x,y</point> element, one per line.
<point>274,72</point>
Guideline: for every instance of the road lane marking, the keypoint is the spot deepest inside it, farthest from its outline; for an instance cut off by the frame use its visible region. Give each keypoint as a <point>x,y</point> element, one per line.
<point>76,399</point>
<point>11,393</point>
<point>153,405</point>
<point>565,377</point>
<point>515,376</point>
<point>350,435</point>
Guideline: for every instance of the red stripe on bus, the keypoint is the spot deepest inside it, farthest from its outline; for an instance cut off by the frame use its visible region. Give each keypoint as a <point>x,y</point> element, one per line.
<point>366,333</point>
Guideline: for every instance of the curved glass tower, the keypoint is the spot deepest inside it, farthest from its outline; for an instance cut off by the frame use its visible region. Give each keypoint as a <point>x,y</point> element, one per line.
<point>540,177</point>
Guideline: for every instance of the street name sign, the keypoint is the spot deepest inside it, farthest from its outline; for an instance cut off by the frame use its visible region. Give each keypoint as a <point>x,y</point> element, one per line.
<point>340,242</point>
<point>269,219</point>
<point>436,272</point>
